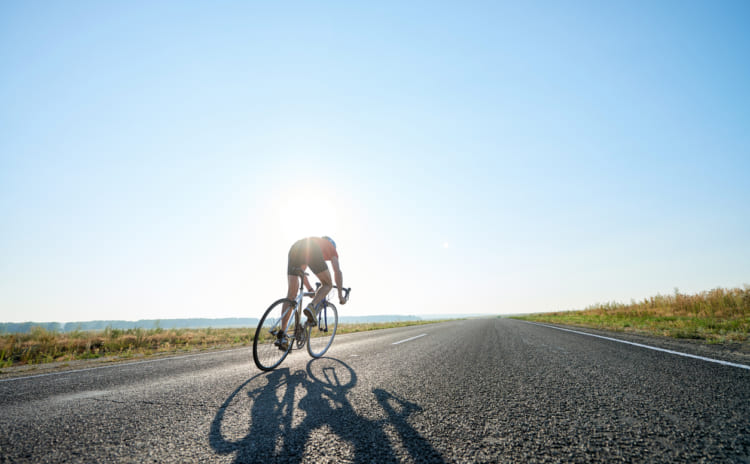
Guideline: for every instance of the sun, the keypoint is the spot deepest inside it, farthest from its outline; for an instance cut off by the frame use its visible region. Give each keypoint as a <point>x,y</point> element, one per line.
<point>307,211</point>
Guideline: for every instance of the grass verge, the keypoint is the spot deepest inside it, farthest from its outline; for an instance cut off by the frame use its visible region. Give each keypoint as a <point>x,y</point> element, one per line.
<point>715,316</point>
<point>43,346</point>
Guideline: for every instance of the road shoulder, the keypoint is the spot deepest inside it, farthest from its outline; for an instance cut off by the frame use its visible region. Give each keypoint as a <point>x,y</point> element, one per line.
<point>738,353</point>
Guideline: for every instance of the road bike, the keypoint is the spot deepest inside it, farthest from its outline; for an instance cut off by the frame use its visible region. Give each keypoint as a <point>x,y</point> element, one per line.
<point>267,353</point>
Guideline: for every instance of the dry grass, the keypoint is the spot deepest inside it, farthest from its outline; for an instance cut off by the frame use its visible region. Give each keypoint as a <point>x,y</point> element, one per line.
<point>716,316</point>
<point>43,346</point>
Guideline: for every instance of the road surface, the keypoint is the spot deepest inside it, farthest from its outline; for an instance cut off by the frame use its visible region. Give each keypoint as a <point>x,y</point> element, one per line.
<point>479,390</point>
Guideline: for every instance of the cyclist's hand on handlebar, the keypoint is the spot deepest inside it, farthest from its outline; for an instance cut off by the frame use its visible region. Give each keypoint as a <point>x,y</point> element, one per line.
<point>344,295</point>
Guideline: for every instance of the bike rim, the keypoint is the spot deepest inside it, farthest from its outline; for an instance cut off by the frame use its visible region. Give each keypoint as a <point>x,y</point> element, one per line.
<point>266,353</point>
<point>320,336</point>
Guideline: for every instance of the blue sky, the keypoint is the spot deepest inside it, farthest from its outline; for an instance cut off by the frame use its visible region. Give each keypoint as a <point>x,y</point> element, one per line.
<point>157,159</point>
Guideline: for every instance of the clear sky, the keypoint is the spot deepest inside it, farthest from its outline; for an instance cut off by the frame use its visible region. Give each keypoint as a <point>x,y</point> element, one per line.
<point>157,159</point>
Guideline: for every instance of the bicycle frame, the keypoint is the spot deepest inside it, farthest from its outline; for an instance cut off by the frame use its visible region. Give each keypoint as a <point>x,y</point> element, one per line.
<point>297,307</point>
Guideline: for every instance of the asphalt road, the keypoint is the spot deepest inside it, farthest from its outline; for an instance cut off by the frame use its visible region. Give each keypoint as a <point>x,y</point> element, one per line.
<point>487,390</point>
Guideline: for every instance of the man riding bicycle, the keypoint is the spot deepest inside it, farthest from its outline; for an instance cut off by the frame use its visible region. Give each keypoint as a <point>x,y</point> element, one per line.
<point>312,252</point>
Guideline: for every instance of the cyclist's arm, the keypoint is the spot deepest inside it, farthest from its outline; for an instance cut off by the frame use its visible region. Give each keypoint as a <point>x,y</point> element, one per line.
<point>338,276</point>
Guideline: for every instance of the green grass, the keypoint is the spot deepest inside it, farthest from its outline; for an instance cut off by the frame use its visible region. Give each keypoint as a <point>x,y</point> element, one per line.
<point>43,346</point>
<point>715,316</point>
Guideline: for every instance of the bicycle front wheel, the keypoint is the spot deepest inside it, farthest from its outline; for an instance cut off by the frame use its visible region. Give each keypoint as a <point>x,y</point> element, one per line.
<point>266,351</point>
<point>320,336</point>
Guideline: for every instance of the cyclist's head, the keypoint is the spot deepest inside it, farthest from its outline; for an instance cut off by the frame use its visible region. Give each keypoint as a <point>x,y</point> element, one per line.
<point>330,240</point>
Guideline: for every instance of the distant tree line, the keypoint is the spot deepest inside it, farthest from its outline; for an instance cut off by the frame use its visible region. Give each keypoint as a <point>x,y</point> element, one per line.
<point>25,327</point>
<point>231,322</point>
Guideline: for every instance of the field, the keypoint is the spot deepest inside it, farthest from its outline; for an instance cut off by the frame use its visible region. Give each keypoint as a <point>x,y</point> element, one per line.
<point>44,346</point>
<point>715,316</point>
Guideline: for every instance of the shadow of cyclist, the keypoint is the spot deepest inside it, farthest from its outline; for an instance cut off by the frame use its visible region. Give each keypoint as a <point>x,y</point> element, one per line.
<point>323,421</point>
<point>327,410</point>
<point>270,411</point>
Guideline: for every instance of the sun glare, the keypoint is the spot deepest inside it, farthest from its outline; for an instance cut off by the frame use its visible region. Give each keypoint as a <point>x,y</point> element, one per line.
<point>306,212</point>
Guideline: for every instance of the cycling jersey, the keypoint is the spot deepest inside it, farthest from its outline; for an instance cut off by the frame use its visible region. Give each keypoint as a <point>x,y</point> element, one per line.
<point>329,251</point>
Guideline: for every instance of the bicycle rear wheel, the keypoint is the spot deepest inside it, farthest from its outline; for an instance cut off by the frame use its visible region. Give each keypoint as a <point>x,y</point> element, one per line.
<point>320,336</point>
<point>266,354</point>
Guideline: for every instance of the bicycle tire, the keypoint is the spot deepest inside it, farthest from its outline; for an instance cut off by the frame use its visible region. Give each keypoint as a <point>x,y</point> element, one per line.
<point>266,354</point>
<point>320,336</point>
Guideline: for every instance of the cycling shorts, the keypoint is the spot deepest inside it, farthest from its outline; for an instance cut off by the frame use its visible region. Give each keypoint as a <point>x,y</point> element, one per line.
<point>306,252</point>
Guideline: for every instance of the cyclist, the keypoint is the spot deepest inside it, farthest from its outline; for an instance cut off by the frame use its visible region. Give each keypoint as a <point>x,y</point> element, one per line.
<point>312,252</point>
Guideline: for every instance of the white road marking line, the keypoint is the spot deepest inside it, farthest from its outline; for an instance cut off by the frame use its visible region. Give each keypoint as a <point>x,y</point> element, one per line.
<point>409,339</point>
<point>115,364</point>
<point>678,353</point>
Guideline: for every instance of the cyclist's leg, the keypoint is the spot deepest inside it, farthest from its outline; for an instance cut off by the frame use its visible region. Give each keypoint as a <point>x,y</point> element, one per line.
<point>326,284</point>
<point>293,282</point>
<point>318,265</point>
<point>297,258</point>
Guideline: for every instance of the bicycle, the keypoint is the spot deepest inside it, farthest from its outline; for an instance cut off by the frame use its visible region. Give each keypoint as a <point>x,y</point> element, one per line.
<point>318,338</point>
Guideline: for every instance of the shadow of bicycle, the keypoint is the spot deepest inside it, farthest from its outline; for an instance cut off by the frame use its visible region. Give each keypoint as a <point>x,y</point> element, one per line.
<point>307,416</point>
